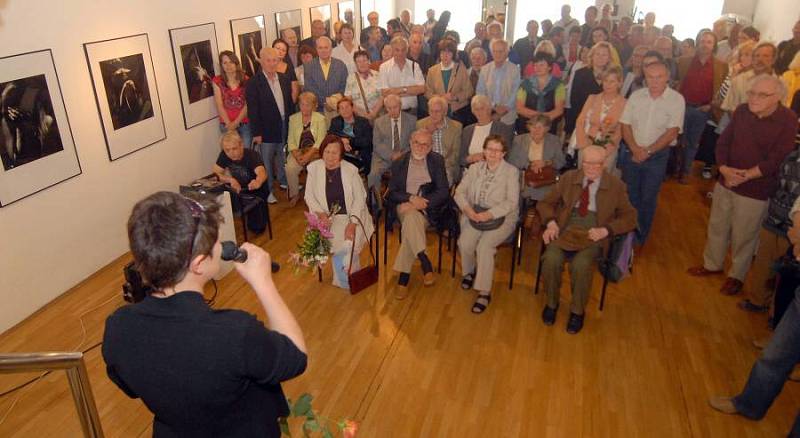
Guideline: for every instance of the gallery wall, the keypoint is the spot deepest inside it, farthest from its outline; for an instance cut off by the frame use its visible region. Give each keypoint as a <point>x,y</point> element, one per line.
<point>775,18</point>
<point>54,239</point>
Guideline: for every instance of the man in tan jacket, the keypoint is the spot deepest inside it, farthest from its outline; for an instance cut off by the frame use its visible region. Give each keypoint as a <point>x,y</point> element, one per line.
<point>585,209</point>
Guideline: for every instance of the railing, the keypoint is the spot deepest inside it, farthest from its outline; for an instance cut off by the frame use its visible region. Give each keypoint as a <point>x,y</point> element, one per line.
<point>73,364</point>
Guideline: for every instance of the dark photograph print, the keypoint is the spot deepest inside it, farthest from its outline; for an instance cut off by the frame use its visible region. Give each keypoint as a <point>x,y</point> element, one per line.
<point>290,25</point>
<point>28,128</point>
<point>198,67</point>
<point>250,46</point>
<point>125,82</point>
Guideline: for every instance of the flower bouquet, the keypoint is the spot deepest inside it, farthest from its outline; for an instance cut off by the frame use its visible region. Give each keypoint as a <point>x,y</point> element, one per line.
<point>315,247</point>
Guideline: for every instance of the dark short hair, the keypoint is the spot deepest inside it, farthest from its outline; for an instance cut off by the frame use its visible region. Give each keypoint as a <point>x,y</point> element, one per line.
<point>752,32</point>
<point>574,29</point>
<point>167,230</point>
<point>543,56</point>
<point>448,45</point>
<point>329,140</point>
<point>347,26</point>
<point>280,41</point>
<point>602,29</point>
<point>360,52</point>
<point>496,138</point>
<point>654,54</point>
<point>306,50</point>
<point>344,99</point>
<point>540,119</point>
<point>555,30</point>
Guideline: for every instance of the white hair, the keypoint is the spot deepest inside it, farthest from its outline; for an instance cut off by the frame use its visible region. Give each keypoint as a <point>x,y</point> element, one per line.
<point>777,83</point>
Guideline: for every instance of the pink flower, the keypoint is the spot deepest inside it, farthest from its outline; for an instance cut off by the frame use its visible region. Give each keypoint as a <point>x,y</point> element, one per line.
<point>350,429</point>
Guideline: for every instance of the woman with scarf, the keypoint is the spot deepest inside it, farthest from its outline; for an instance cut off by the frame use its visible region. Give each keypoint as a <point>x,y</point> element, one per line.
<point>540,94</point>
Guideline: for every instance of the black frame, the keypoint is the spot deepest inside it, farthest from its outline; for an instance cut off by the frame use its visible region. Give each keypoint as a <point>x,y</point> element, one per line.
<point>69,126</point>
<point>97,98</point>
<point>177,72</point>
<point>278,28</point>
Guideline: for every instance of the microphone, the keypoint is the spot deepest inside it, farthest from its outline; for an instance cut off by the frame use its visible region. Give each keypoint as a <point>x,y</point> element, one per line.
<point>231,252</point>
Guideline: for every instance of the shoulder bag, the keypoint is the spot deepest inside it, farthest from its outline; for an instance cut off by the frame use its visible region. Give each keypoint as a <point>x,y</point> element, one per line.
<point>489,225</point>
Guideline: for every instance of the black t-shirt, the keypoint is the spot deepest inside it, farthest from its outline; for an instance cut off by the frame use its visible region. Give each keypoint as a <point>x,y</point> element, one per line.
<point>243,170</point>
<point>202,372</point>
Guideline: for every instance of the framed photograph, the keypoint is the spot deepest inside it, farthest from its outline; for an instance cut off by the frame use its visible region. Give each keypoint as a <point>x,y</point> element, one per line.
<point>321,12</point>
<point>194,49</point>
<point>289,25</point>
<point>37,149</point>
<point>346,14</point>
<point>126,93</point>
<point>249,37</point>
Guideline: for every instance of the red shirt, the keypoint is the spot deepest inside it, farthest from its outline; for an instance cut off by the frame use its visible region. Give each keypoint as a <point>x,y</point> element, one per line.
<point>232,99</point>
<point>698,85</point>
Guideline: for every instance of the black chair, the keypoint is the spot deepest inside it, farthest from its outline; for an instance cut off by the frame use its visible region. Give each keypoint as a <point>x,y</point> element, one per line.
<point>247,203</point>
<point>603,263</point>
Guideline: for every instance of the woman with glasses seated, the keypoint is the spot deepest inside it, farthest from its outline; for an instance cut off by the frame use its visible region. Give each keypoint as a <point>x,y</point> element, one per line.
<point>488,196</point>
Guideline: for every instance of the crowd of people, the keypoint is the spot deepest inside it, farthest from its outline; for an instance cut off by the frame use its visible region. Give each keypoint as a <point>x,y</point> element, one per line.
<point>571,130</point>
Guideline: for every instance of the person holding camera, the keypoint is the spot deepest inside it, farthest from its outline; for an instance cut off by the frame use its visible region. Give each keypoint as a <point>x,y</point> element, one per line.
<point>202,372</point>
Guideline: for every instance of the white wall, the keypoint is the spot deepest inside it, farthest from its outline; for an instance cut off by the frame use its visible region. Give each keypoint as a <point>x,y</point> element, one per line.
<point>54,239</point>
<point>775,18</point>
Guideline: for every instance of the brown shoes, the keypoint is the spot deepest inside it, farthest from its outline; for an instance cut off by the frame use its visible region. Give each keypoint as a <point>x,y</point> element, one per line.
<point>723,404</point>
<point>701,271</point>
<point>731,286</point>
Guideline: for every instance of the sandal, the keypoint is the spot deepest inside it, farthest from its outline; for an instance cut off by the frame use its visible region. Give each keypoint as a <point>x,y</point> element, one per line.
<point>467,280</point>
<point>481,303</point>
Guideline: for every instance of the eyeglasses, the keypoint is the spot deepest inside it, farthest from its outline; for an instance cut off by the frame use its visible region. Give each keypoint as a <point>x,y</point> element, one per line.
<point>592,163</point>
<point>494,150</point>
<point>759,95</point>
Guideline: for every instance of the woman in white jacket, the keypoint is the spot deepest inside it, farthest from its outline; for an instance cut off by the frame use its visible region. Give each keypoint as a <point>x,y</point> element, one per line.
<point>334,190</point>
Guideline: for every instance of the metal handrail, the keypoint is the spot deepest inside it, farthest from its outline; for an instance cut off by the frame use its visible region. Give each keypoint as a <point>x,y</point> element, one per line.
<point>73,364</point>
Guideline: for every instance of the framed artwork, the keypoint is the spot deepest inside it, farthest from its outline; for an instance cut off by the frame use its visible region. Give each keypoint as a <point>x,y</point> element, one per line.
<point>346,14</point>
<point>323,13</point>
<point>126,93</point>
<point>194,50</point>
<point>249,37</point>
<point>289,25</point>
<point>37,149</point>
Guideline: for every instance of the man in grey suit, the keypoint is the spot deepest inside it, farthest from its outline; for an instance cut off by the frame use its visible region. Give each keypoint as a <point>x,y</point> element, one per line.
<point>390,138</point>
<point>325,76</point>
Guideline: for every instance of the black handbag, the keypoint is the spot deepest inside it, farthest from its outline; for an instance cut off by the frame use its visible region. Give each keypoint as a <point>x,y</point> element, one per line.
<point>489,225</point>
<point>366,276</point>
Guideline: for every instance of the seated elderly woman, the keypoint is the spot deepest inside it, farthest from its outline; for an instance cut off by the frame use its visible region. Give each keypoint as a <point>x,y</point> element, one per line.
<point>474,135</point>
<point>243,170</point>
<point>417,192</point>
<point>356,134</point>
<point>488,197</point>
<point>535,152</point>
<point>307,128</point>
<point>335,192</point>
<point>446,135</point>
<point>541,93</point>
<point>584,210</point>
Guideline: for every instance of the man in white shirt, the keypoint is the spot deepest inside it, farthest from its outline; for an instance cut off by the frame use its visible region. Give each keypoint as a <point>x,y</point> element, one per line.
<point>500,81</point>
<point>651,122</point>
<point>401,76</point>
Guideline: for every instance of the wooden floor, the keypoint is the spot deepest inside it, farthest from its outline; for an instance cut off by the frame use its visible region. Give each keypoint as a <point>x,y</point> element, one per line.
<point>426,367</point>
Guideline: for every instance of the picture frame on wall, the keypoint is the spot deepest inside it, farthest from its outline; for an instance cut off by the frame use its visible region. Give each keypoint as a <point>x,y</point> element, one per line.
<point>195,50</point>
<point>321,12</point>
<point>346,12</point>
<point>286,20</point>
<point>37,149</point>
<point>249,37</point>
<point>126,93</point>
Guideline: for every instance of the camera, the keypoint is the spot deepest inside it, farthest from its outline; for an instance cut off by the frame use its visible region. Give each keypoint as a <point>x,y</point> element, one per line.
<point>134,289</point>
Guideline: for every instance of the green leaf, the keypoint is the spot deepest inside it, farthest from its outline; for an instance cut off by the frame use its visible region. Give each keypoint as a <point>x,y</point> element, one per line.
<point>312,425</point>
<point>284,426</point>
<point>326,433</point>
<point>302,406</point>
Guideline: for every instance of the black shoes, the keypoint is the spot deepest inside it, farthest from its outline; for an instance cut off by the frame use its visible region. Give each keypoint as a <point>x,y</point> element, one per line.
<point>403,278</point>
<point>575,323</point>
<point>467,281</point>
<point>549,315</point>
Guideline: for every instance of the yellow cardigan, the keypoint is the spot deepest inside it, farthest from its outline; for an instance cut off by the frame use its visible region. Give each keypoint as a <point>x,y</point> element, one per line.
<point>319,127</point>
<point>792,80</point>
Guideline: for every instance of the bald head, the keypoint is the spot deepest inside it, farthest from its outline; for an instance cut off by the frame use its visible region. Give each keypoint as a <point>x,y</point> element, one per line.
<point>269,59</point>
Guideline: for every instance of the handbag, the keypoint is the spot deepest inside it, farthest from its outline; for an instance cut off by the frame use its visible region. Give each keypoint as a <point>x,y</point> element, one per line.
<point>489,225</point>
<point>366,276</point>
<point>545,177</point>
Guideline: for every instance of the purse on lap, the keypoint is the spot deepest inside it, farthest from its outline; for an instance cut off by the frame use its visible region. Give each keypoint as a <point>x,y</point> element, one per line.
<point>366,276</point>
<point>489,225</point>
<point>545,177</point>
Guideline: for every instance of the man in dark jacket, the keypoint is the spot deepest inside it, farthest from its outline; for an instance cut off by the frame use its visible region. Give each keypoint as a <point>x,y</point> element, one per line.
<point>269,105</point>
<point>418,190</point>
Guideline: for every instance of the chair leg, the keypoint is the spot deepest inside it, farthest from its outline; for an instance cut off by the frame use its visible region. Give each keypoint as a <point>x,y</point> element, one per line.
<point>513,259</point>
<point>269,221</point>
<point>439,261</point>
<point>520,242</point>
<point>453,254</point>
<point>319,274</point>
<point>603,293</point>
<point>385,236</point>
<point>244,224</point>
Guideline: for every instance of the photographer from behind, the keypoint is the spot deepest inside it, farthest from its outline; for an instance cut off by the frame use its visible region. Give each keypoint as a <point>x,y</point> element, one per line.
<point>202,372</point>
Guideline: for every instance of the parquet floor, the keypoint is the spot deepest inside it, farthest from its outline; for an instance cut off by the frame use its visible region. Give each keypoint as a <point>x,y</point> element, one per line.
<point>426,367</point>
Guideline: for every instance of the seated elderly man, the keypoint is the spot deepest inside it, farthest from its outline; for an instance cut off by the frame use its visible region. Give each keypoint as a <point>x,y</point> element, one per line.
<point>418,189</point>
<point>390,137</point>
<point>585,209</point>
<point>749,153</point>
<point>243,170</point>
<point>446,134</point>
